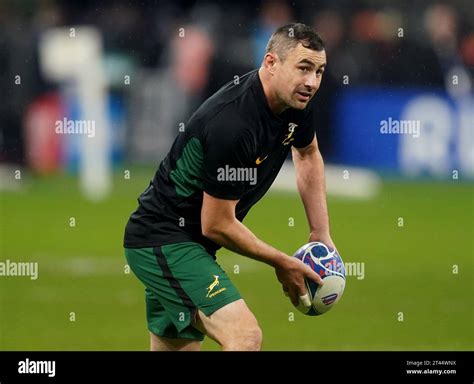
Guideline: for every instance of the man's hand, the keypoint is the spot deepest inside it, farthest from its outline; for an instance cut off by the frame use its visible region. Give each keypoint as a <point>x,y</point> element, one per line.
<point>291,273</point>
<point>323,238</point>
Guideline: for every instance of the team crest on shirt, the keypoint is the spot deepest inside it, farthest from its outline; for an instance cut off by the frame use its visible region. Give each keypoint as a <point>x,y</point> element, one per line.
<point>289,136</point>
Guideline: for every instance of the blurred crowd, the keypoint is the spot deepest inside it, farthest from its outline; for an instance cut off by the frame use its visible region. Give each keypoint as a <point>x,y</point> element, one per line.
<point>178,53</point>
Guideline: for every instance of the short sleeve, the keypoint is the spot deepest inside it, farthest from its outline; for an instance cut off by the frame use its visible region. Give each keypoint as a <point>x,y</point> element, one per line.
<point>304,134</point>
<point>229,156</point>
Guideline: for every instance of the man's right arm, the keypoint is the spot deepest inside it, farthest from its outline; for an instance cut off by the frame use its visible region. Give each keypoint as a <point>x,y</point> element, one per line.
<point>220,225</point>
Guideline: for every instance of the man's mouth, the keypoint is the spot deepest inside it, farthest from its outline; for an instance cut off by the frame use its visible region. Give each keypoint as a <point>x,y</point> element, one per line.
<point>303,96</point>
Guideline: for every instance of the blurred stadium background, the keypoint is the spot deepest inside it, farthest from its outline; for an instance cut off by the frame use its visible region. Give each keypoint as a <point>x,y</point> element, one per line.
<point>129,74</point>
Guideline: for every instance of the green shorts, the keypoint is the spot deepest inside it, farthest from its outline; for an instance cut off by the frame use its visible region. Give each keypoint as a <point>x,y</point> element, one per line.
<point>179,279</point>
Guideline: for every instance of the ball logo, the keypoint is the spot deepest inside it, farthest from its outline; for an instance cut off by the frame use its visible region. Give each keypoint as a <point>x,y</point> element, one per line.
<point>329,299</point>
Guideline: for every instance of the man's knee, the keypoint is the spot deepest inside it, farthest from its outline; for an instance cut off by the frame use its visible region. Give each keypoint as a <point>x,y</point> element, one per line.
<point>248,338</point>
<point>233,326</point>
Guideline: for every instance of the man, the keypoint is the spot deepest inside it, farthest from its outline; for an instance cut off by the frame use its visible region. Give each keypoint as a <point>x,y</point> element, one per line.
<point>228,156</point>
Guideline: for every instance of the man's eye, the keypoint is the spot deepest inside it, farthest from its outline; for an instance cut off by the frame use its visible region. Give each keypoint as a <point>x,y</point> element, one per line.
<point>304,69</point>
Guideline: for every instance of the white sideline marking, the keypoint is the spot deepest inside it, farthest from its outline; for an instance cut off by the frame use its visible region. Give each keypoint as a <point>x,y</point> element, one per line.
<point>361,183</point>
<point>82,265</point>
<point>7,178</point>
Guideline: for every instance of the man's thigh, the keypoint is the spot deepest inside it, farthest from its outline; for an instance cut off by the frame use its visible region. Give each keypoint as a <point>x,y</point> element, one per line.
<point>180,279</point>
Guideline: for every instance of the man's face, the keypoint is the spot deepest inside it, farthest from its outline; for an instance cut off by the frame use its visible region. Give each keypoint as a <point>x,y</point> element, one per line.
<point>298,77</point>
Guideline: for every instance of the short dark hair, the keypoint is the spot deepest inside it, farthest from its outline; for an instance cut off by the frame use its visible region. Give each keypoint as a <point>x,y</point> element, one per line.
<point>289,36</point>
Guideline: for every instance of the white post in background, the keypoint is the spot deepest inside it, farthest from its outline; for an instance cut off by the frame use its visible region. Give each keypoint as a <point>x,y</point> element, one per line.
<point>75,54</point>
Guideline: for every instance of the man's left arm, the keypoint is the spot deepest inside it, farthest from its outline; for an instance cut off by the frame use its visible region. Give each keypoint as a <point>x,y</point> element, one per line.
<point>309,166</point>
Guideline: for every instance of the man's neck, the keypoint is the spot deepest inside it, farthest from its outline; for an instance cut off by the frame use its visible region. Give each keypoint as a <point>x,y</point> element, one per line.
<point>276,106</point>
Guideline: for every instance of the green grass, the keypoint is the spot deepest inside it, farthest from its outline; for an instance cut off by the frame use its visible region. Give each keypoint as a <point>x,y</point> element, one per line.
<point>408,269</point>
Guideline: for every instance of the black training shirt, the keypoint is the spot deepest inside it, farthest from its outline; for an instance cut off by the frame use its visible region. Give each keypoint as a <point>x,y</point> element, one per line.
<point>232,148</point>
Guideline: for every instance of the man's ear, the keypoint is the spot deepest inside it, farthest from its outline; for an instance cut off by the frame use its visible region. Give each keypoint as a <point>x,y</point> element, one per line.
<point>270,61</point>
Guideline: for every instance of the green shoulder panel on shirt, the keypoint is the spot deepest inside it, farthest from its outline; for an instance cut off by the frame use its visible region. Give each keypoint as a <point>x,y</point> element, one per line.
<point>187,177</point>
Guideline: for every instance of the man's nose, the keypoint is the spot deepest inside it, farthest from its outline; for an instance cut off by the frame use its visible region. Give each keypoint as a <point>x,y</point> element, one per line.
<point>311,81</point>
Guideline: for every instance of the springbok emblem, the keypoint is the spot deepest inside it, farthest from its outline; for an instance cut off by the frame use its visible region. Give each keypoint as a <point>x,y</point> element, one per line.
<point>291,130</point>
<point>214,284</point>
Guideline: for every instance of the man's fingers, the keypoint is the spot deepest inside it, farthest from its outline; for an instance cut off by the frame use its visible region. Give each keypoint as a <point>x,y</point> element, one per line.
<point>305,300</point>
<point>294,297</point>
<point>300,295</point>
<point>313,276</point>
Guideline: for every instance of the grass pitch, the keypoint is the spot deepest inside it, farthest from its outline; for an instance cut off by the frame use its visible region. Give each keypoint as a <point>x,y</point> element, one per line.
<point>414,241</point>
